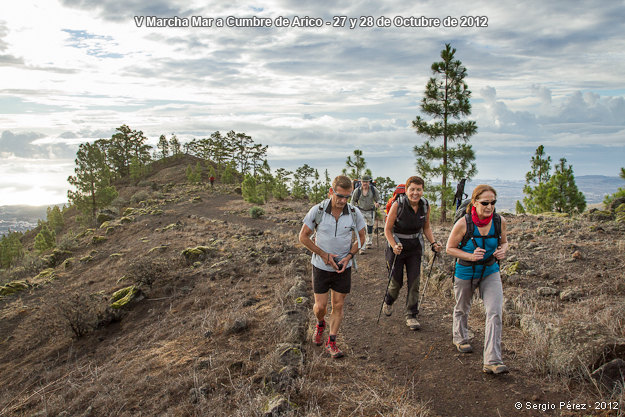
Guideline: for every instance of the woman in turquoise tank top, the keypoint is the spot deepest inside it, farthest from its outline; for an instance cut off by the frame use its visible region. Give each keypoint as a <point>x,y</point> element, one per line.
<point>478,267</point>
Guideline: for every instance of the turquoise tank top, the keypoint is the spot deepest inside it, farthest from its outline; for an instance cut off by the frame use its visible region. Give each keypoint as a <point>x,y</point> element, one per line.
<point>467,272</point>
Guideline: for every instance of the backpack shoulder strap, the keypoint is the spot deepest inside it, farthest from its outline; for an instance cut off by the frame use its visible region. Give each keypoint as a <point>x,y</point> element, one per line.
<point>470,229</point>
<point>497,222</point>
<point>426,206</point>
<point>356,195</point>
<point>400,203</point>
<point>319,214</point>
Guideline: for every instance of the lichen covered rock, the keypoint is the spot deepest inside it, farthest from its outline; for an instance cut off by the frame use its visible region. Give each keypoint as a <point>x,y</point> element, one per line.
<point>124,296</point>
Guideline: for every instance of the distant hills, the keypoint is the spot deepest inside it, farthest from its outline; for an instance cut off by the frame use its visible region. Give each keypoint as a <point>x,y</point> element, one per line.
<point>595,187</point>
<point>20,218</point>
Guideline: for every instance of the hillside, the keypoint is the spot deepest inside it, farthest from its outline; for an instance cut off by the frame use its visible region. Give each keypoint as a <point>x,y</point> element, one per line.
<point>221,320</point>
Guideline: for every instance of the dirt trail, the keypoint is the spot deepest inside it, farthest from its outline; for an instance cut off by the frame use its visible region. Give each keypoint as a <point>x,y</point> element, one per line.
<point>452,383</point>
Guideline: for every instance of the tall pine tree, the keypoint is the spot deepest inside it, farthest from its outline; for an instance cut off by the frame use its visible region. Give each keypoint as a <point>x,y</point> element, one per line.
<point>446,99</point>
<point>92,180</point>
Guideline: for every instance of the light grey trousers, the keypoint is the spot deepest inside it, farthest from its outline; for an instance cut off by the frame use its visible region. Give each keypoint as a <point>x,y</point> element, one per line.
<point>491,293</point>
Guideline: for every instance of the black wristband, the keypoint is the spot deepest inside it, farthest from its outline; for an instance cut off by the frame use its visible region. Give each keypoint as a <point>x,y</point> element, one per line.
<point>432,245</point>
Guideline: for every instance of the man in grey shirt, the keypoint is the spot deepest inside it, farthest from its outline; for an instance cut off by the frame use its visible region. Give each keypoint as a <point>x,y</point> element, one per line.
<point>334,220</point>
<point>366,199</point>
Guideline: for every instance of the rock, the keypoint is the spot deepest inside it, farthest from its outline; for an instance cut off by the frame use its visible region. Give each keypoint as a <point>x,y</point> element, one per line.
<point>116,255</point>
<point>122,297</point>
<point>577,255</point>
<point>511,268</point>
<point>548,292</point>
<point>199,253</point>
<point>127,219</point>
<point>56,257</point>
<point>274,260</point>
<point>161,248</point>
<point>86,259</point>
<point>196,394</point>
<point>13,287</point>
<point>610,374</point>
<point>277,406</point>
<point>96,240</point>
<point>290,354</point>
<point>571,295</point>
<point>68,263</point>
<point>105,216</point>
<point>599,216</point>
<point>299,289</point>
<point>292,325</point>
<point>239,325</point>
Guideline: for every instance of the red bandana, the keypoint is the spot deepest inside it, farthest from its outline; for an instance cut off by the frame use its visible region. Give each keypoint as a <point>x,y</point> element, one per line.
<point>480,222</point>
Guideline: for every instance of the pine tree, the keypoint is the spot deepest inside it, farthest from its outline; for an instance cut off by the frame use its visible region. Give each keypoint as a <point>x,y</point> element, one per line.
<point>163,145</point>
<point>175,145</point>
<point>301,185</point>
<point>265,181</point>
<point>385,186</point>
<point>317,189</point>
<point>446,98</point>
<point>197,173</point>
<point>563,195</point>
<point>45,239</point>
<point>519,209</point>
<point>92,180</point>
<point>189,174</point>
<point>536,180</point>
<point>354,168</point>
<point>609,198</point>
<point>249,192</point>
<point>228,176</point>
<point>280,188</point>
<point>11,249</point>
<point>55,218</point>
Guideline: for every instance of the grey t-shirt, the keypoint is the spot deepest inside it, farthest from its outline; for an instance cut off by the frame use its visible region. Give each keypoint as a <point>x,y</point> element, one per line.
<point>333,236</point>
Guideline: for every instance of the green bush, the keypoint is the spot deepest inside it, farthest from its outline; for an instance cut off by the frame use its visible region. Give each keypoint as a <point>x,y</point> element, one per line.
<point>256,212</point>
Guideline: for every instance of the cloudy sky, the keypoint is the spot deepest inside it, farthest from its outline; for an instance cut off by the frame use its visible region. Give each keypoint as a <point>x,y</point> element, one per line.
<point>71,71</point>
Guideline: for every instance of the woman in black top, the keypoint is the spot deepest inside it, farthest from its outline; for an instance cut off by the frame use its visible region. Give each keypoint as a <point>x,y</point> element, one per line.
<point>407,222</point>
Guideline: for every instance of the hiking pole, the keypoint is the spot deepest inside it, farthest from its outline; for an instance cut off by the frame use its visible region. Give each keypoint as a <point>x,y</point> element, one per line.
<point>377,231</point>
<point>390,277</point>
<point>425,287</point>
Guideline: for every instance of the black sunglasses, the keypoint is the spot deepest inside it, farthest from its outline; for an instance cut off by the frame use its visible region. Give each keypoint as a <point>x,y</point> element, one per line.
<point>341,195</point>
<point>485,203</point>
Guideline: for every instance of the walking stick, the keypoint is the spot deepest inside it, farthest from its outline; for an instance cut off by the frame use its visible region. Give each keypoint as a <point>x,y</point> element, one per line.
<point>390,277</point>
<point>377,231</point>
<point>425,287</point>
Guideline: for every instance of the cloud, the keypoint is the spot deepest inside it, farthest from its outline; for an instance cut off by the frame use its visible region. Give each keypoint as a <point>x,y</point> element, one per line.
<point>118,10</point>
<point>24,145</point>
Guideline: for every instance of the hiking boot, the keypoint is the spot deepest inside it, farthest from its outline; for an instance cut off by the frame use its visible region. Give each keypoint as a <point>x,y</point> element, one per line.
<point>318,335</point>
<point>464,348</point>
<point>498,368</point>
<point>387,309</point>
<point>362,250</point>
<point>333,350</point>
<point>413,323</point>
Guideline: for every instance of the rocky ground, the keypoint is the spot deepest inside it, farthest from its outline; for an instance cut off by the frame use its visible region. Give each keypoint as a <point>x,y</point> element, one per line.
<point>219,320</point>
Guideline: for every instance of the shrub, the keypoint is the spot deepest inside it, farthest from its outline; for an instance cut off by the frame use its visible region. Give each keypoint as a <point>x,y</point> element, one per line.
<point>141,195</point>
<point>256,212</point>
<point>80,312</point>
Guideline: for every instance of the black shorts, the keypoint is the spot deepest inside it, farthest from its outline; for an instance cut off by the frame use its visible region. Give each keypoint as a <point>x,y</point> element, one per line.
<point>324,281</point>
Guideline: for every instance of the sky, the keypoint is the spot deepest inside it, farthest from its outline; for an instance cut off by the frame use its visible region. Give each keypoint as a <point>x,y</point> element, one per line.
<point>541,73</point>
